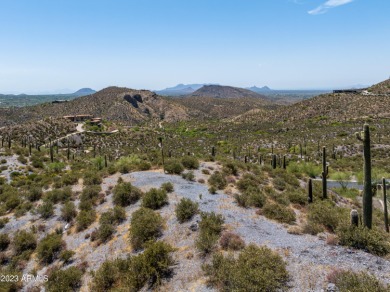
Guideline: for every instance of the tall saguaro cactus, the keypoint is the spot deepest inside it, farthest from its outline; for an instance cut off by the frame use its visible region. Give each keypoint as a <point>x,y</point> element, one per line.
<point>324,174</point>
<point>385,205</point>
<point>367,190</point>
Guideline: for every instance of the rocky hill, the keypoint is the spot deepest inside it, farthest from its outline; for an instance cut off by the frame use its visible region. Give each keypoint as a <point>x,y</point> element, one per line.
<point>123,105</point>
<point>219,91</point>
<point>381,88</point>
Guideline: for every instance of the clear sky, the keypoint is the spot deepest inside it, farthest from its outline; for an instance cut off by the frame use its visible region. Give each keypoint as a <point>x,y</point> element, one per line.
<point>63,45</point>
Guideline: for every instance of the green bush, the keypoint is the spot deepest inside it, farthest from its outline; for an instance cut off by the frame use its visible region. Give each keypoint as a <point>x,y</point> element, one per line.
<point>190,162</point>
<point>188,176</point>
<point>279,213</point>
<point>3,221</point>
<point>312,228</point>
<point>347,281</point>
<point>64,280</point>
<point>186,209</point>
<point>34,194</point>
<point>251,196</point>
<point>173,167</point>
<point>217,180</point>
<point>66,256</point>
<point>155,199</point>
<point>373,241</point>
<point>105,231</point>
<point>248,181</point>
<point>131,163</point>
<point>46,210</point>
<point>145,225</point>
<point>125,194</point>
<point>84,219</point>
<point>131,274</point>
<point>279,183</point>
<point>92,178</point>
<point>58,195</point>
<point>297,196</point>
<point>210,227</point>
<point>68,211</point>
<point>24,241</point>
<point>4,241</point>
<point>69,179</point>
<point>230,168</point>
<point>50,247</point>
<point>168,186</point>
<point>326,213</point>
<point>255,269</point>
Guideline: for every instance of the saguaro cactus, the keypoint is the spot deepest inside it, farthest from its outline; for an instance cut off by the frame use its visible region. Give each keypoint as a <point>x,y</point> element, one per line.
<point>213,151</point>
<point>385,204</point>
<point>310,191</point>
<point>273,161</point>
<point>324,174</point>
<point>367,190</point>
<point>284,161</point>
<point>354,218</point>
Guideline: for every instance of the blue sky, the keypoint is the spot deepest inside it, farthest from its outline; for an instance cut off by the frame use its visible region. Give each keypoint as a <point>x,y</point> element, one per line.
<point>63,45</point>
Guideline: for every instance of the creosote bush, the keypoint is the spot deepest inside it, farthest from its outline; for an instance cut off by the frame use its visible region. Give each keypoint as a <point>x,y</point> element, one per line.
<point>146,225</point>
<point>64,280</point>
<point>4,241</point>
<point>255,269</point>
<point>173,167</point>
<point>210,227</point>
<point>125,194</point>
<point>155,199</point>
<point>186,209</point>
<point>371,240</point>
<point>133,273</point>
<point>68,211</point>
<point>190,162</point>
<point>347,281</point>
<point>84,219</point>
<point>50,247</point>
<point>46,210</point>
<point>217,180</point>
<point>24,241</point>
<point>278,212</point>
<point>327,214</point>
<point>168,186</point>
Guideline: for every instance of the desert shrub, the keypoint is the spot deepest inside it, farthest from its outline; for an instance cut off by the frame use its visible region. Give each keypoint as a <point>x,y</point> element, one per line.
<point>24,241</point>
<point>188,176</point>
<point>92,178</point>
<point>279,213</point>
<point>190,162</point>
<point>68,211</point>
<point>230,168</point>
<point>90,193</point>
<point>210,228</point>
<point>58,195</point>
<point>347,281</point>
<point>4,241</point>
<point>3,221</point>
<point>308,168</point>
<point>297,196</point>
<point>155,199</point>
<point>212,190</point>
<point>84,219</point>
<point>131,274</point>
<point>50,247</point>
<point>231,241</point>
<point>168,187</point>
<point>279,183</point>
<point>327,214</point>
<point>10,286</point>
<point>217,180</point>
<point>185,210</point>
<point>34,194</point>
<point>248,181</point>
<point>312,228</point>
<point>373,241</point>
<point>105,231</point>
<point>64,280</point>
<point>254,197</point>
<point>69,179</point>
<point>255,269</point>
<point>66,256</point>
<point>119,214</point>
<point>173,167</point>
<point>131,163</point>
<point>46,210</point>
<point>12,202</point>
<point>125,194</point>
<point>145,225</point>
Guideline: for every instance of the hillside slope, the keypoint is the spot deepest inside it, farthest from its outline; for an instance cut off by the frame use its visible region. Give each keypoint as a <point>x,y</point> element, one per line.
<point>113,103</point>
<point>219,91</point>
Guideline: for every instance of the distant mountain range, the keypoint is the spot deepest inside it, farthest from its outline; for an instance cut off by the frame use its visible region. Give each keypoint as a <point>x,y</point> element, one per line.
<point>181,89</point>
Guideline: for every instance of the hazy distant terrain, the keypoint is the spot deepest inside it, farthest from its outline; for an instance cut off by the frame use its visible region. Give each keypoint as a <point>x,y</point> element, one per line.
<point>20,100</point>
